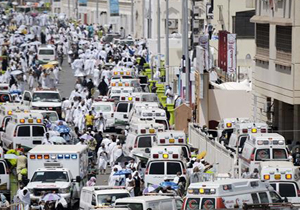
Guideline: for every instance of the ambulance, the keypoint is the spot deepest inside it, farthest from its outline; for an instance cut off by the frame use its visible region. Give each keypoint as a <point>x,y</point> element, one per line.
<point>146,97</point>
<point>43,99</point>
<point>141,137</point>
<point>284,177</point>
<point>26,129</point>
<point>164,164</point>
<point>158,115</point>
<point>241,131</point>
<point>107,108</point>
<point>101,196</point>
<point>62,169</point>
<point>229,194</point>
<point>263,147</point>
<point>116,92</point>
<point>227,125</point>
<point>174,138</point>
<point>123,72</point>
<point>7,110</point>
<point>51,115</point>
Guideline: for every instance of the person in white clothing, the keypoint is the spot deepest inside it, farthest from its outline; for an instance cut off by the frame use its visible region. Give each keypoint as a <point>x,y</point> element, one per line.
<point>46,140</point>
<point>102,155</point>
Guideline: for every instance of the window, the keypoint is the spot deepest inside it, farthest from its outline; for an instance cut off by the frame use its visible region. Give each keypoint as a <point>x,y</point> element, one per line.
<point>144,142</point>
<point>24,131</point>
<point>262,154</point>
<point>192,203</point>
<point>2,168</point>
<point>134,206</point>
<point>208,203</point>
<point>263,197</point>
<point>50,176</point>
<point>242,141</point>
<point>46,97</point>
<point>287,190</point>
<point>262,39</point>
<point>122,107</point>
<point>46,52</point>
<point>279,154</point>
<point>103,108</point>
<point>275,197</point>
<point>107,200</point>
<point>157,168</point>
<point>173,168</point>
<point>254,198</point>
<point>284,42</point>
<point>38,131</point>
<point>242,25</point>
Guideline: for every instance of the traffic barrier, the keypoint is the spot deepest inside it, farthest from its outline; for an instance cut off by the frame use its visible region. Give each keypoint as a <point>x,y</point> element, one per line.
<point>216,153</point>
<point>160,93</point>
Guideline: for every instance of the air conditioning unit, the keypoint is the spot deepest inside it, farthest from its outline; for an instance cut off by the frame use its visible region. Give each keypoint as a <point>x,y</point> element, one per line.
<point>173,24</point>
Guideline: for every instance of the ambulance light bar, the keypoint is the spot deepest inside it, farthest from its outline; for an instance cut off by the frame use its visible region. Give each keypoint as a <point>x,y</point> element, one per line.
<point>165,155</point>
<point>228,125</point>
<point>202,191</point>
<point>227,187</point>
<point>270,141</point>
<point>30,120</point>
<point>120,84</point>
<point>47,156</point>
<point>278,176</point>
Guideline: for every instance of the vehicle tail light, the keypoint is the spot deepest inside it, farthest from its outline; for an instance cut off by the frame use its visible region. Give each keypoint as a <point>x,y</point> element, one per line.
<point>263,130</point>
<point>137,99</point>
<point>252,157</point>
<point>245,130</point>
<point>180,140</point>
<point>3,124</point>
<point>220,204</point>
<point>122,98</point>
<point>175,155</point>
<point>298,193</point>
<point>143,130</point>
<point>155,155</point>
<point>147,170</point>
<point>162,141</point>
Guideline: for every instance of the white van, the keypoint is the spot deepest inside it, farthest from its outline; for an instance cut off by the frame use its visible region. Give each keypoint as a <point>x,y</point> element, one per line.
<point>229,194</point>
<point>51,115</point>
<point>26,129</point>
<point>263,147</point>
<point>46,54</point>
<point>284,177</point>
<point>151,202</point>
<point>107,108</point>
<point>101,196</point>
<point>164,163</point>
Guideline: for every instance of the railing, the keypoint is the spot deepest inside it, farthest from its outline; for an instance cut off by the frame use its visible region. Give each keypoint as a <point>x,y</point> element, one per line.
<point>216,153</point>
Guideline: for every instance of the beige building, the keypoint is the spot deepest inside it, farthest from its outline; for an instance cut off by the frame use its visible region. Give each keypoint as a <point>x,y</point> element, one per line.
<point>277,69</point>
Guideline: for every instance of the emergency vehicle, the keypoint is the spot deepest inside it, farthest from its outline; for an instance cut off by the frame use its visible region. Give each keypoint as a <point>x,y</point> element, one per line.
<point>146,97</point>
<point>43,99</point>
<point>26,129</point>
<point>141,137</point>
<point>51,115</point>
<point>227,125</point>
<point>5,184</point>
<point>241,131</point>
<point>263,147</point>
<point>174,138</point>
<point>164,164</point>
<point>116,92</point>
<point>123,72</point>
<point>62,169</point>
<point>46,54</point>
<point>107,108</point>
<point>229,194</point>
<point>5,95</point>
<point>101,196</point>
<point>284,177</point>
<point>158,115</point>
<point>7,110</point>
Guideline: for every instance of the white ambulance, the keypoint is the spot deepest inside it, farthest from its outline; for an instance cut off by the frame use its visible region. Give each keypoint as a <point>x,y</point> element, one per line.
<point>7,110</point>
<point>284,177</point>
<point>241,131</point>
<point>227,125</point>
<point>263,147</point>
<point>141,137</point>
<point>107,108</point>
<point>62,169</point>
<point>116,92</point>
<point>146,97</point>
<point>43,99</point>
<point>26,129</point>
<point>164,163</point>
<point>174,138</point>
<point>101,196</point>
<point>229,194</point>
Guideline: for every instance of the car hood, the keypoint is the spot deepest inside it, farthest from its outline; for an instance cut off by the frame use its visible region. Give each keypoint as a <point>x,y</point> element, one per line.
<point>41,185</point>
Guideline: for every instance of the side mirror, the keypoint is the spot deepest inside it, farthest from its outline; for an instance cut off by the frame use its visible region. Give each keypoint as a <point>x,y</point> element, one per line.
<point>78,179</point>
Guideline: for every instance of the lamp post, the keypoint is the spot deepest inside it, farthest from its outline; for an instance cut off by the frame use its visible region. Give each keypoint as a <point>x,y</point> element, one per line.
<point>167,43</point>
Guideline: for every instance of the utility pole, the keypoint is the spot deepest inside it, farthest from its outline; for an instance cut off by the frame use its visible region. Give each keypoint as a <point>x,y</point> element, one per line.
<point>132,19</point>
<point>97,12</point>
<point>69,9</point>
<point>149,20</point>
<point>144,27</point>
<point>158,33</point>
<point>228,16</point>
<point>185,36</point>
<point>167,43</point>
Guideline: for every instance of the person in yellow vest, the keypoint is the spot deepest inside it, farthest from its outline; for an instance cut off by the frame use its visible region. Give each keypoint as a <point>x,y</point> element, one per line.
<point>89,120</point>
<point>21,164</point>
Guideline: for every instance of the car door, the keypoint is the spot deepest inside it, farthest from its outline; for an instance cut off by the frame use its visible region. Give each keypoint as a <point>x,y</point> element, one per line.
<point>38,132</point>
<point>155,172</point>
<point>121,114</point>
<point>23,134</point>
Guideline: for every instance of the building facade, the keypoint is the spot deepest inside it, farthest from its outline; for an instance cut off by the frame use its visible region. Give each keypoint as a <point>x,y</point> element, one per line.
<point>277,69</point>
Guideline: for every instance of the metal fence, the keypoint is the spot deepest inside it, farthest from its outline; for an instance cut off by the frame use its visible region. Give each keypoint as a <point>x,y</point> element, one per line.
<point>216,153</point>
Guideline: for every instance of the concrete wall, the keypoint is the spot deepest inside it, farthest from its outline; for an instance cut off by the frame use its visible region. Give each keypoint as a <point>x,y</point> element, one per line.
<point>229,104</point>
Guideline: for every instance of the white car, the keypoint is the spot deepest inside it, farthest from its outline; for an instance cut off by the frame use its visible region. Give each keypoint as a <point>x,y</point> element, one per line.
<point>46,54</point>
<point>107,108</point>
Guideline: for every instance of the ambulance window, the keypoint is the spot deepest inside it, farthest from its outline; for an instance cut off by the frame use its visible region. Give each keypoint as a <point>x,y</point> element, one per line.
<point>185,152</point>
<point>262,154</point>
<point>275,197</point>
<point>287,190</point>
<point>157,168</point>
<point>144,141</point>
<point>263,197</point>
<point>38,131</point>
<point>274,186</point>
<point>122,107</point>
<point>173,167</point>
<point>254,198</point>
<point>6,120</point>
<point>192,204</point>
<point>24,131</point>
<point>2,168</point>
<point>242,141</point>
<point>279,154</point>
<point>208,203</point>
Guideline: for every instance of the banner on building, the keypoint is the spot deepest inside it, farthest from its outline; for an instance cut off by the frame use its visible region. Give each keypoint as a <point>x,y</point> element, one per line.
<point>82,3</point>
<point>114,8</point>
<point>204,43</point>
<point>231,53</point>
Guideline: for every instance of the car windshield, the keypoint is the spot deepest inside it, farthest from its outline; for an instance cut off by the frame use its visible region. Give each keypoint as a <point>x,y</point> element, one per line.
<point>50,176</point>
<point>106,200</point>
<point>103,108</point>
<point>279,154</point>
<point>46,97</point>
<point>262,154</point>
<point>46,52</point>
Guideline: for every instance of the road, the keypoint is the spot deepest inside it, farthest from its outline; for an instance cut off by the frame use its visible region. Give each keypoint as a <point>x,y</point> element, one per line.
<point>66,85</point>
